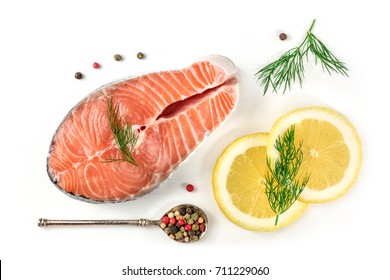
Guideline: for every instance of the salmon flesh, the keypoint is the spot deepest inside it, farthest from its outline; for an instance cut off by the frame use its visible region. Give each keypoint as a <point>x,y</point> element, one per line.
<point>170,112</point>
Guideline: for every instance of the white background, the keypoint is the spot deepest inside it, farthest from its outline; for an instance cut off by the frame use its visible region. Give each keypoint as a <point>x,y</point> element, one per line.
<point>42,45</point>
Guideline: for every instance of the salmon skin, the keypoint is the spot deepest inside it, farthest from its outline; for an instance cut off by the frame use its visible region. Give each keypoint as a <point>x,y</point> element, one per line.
<point>171,112</point>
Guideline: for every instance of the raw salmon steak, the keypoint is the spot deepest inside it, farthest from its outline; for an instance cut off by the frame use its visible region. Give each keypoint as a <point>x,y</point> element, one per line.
<point>171,113</point>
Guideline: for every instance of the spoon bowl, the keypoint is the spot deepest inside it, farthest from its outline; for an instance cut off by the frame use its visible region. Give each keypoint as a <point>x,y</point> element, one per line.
<point>189,225</point>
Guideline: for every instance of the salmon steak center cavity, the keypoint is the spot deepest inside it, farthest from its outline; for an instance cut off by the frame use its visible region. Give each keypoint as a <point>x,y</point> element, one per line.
<point>170,112</point>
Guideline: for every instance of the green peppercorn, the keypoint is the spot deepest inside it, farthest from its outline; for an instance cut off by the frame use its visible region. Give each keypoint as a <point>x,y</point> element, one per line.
<point>177,213</point>
<point>78,75</point>
<point>195,216</point>
<point>171,215</point>
<point>190,221</point>
<point>140,55</point>
<point>172,236</point>
<point>118,57</point>
<point>194,238</point>
<point>186,239</point>
<point>195,227</point>
<point>179,235</point>
<point>167,230</point>
<point>185,233</point>
<point>182,229</point>
<point>187,217</point>
<point>200,220</point>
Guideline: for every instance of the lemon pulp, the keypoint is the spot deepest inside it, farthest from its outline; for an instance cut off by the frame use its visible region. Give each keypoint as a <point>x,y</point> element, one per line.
<point>239,190</point>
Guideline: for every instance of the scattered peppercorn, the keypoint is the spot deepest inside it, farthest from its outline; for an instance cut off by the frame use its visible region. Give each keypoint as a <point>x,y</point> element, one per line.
<point>140,55</point>
<point>190,188</point>
<point>282,36</point>
<point>78,75</point>
<point>118,57</point>
<point>96,65</point>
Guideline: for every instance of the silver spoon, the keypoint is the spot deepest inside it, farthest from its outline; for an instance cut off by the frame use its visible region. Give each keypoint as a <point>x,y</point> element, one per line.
<point>193,234</point>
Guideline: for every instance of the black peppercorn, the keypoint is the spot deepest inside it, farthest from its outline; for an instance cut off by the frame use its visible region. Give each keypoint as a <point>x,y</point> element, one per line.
<point>182,211</point>
<point>173,229</point>
<point>78,75</point>
<point>189,210</point>
<point>282,36</point>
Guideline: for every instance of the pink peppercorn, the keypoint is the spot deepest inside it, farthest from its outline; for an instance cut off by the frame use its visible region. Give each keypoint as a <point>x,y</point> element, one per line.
<point>172,221</point>
<point>96,65</point>
<point>188,227</point>
<point>165,219</point>
<point>190,187</point>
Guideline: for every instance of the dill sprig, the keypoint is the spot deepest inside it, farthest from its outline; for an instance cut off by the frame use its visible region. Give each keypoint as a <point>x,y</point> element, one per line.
<point>122,133</point>
<point>281,188</point>
<point>290,66</point>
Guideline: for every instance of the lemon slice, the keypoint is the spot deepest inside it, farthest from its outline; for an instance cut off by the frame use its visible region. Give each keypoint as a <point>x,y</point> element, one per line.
<point>238,186</point>
<point>332,151</point>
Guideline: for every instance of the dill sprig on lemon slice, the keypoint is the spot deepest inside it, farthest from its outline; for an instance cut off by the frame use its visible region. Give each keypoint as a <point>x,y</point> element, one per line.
<point>239,186</point>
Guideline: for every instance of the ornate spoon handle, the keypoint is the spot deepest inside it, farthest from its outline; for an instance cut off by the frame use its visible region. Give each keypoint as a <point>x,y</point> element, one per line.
<point>138,222</point>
